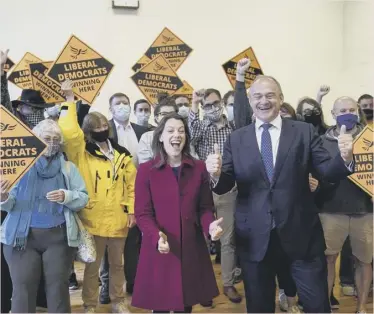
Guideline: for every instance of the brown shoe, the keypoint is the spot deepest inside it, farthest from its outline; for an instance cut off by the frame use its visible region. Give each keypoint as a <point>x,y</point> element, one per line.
<point>232,294</point>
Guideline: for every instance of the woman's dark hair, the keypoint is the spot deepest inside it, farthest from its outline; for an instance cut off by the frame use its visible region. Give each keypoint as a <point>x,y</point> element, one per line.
<point>286,106</point>
<point>158,147</point>
<point>310,101</point>
<point>227,95</point>
<point>168,101</point>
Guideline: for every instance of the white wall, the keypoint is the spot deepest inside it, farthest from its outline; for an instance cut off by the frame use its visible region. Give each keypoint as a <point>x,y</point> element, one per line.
<point>303,43</point>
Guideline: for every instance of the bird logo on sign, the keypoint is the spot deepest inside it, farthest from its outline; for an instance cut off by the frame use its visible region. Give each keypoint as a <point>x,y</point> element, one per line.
<point>368,144</point>
<point>158,67</point>
<point>7,127</point>
<point>77,52</point>
<point>167,39</point>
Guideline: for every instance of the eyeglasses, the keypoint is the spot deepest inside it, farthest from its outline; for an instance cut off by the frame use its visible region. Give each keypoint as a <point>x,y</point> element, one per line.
<point>216,104</point>
<point>309,112</point>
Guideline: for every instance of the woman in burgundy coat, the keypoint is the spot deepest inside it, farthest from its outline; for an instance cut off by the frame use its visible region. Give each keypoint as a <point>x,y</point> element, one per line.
<point>173,209</point>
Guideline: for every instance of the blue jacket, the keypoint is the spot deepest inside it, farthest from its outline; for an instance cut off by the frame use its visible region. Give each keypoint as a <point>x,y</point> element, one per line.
<point>76,198</point>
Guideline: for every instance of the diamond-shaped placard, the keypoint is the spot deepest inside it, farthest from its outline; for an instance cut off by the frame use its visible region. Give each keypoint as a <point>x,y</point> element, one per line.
<point>230,68</point>
<point>186,90</point>
<point>49,89</point>
<point>156,77</point>
<point>20,148</point>
<point>141,63</point>
<point>174,50</point>
<point>8,65</point>
<point>20,75</point>
<point>363,151</point>
<point>84,66</point>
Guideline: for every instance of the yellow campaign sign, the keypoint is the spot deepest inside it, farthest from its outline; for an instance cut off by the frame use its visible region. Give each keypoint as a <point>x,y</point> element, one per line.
<point>186,90</point>
<point>82,65</point>
<point>50,90</point>
<point>20,75</point>
<point>141,63</point>
<point>156,77</point>
<point>255,69</point>
<point>20,148</point>
<point>174,50</point>
<point>8,65</point>
<point>363,151</point>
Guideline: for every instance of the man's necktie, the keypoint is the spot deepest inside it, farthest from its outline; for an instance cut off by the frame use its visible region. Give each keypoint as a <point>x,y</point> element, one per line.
<point>267,150</point>
<point>267,156</point>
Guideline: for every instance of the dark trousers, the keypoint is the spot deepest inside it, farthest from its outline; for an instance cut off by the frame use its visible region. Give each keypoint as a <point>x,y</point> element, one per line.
<point>6,285</point>
<point>47,255</point>
<point>187,309</point>
<point>310,277</point>
<point>131,257</point>
<point>285,280</point>
<point>347,265</point>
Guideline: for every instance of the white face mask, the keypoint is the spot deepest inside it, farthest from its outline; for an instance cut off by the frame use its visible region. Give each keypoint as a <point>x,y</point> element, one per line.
<point>142,118</point>
<point>184,111</point>
<point>53,112</point>
<point>230,113</point>
<point>121,112</point>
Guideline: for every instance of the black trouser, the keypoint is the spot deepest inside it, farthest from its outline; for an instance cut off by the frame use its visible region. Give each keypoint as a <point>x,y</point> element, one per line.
<point>310,277</point>
<point>6,285</point>
<point>347,264</point>
<point>48,256</point>
<point>187,309</point>
<point>285,280</point>
<point>131,257</point>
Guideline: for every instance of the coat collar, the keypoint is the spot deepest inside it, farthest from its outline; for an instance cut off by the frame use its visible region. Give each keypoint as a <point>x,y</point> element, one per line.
<point>94,150</point>
<point>186,161</point>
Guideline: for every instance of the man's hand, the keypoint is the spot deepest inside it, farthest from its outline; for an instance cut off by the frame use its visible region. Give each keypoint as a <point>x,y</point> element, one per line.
<point>4,187</point>
<point>215,229</point>
<point>197,98</point>
<point>214,163</point>
<point>345,143</point>
<point>241,67</point>
<point>313,183</point>
<point>3,58</point>
<point>131,221</point>
<point>163,245</point>
<point>323,90</point>
<point>67,88</point>
<point>57,196</point>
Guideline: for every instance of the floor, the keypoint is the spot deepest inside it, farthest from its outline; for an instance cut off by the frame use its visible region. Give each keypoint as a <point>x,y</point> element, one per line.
<point>221,303</point>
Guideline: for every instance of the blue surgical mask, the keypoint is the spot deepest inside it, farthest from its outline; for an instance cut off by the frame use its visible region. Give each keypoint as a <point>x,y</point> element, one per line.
<point>121,112</point>
<point>230,113</point>
<point>184,111</point>
<point>349,120</point>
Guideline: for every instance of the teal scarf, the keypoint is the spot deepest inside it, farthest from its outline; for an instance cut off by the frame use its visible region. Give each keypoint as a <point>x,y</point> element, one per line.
<point>30,190</point>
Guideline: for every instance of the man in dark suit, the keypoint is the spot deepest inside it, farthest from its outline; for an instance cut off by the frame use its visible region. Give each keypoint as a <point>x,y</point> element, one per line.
<point>276,219</point>
<point>126,134</point>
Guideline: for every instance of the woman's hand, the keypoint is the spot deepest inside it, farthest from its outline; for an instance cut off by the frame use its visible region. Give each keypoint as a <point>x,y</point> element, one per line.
<point>4,187</point>
<point>215,229</point>
<point>163,245</point>
<point>57,196</point>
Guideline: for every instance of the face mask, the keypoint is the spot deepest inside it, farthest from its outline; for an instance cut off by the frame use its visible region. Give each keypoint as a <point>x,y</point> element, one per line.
<point>184,111</point>
<point>52,149</point>
<point>348,119</point>
<point>142,118</point>
<point>101,136</point>
<point>214,115</point>
<point>314,119</point>
<point>230,113</point>
<point>26,110</point>
<point>54,111</point>
<point>368,113</point>
<point>121,112</point>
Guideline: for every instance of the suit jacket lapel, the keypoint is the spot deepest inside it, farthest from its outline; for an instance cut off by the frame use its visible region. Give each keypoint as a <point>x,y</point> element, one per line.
<point>285,142</point>
<point>252,144</point>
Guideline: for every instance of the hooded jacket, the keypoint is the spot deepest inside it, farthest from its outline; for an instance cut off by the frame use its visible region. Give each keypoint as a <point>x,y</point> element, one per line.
<point>110,184</point>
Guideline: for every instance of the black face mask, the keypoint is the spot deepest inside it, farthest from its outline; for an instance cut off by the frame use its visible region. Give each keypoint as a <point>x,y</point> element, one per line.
<point>314,119</point>
<point>101,136</point>
<point>368,113</point>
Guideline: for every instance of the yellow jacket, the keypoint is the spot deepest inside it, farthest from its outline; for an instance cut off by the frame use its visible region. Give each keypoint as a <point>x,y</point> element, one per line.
<point>110,185</point>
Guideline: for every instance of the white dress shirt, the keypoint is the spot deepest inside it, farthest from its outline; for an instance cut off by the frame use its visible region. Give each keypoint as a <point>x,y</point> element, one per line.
<point>127,137</point>
<point>275,132</point>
